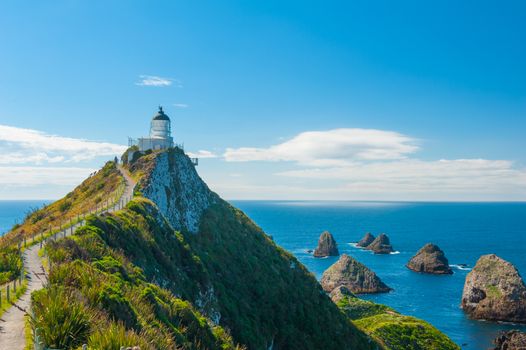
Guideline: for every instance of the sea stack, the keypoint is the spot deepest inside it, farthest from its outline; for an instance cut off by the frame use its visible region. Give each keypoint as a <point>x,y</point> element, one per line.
<point>510,340</point>
<point>353,275</point>
<point>326,246</point>
<point>430,259</point>
<point>494,291</point>
<point>366,240</point>
<point>381,245</point>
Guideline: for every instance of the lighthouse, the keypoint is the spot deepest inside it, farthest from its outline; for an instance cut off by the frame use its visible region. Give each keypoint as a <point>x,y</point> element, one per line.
<point>160,133</point>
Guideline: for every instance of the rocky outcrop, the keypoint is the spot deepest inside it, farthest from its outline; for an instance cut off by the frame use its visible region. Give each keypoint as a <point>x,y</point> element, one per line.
<point>339,293</point>
<point>430,259</point>
<point>511,340</point>
<point>326,246</point>
<point>353,275</point>
<point>494,291</point>
<point>366,240</point>
<point>381,245</point>
<point>174,185</point>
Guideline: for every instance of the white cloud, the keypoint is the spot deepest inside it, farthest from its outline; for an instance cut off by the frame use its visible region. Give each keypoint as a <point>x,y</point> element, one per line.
<point>27,146</point>
<point>331,148</point>
<point>33,182</point>
<point>24,176</point>
<point>433,180</point>
<point>202,154</point>
<point>374,165</point>
<point>181,105</point>
<point>153,80</point>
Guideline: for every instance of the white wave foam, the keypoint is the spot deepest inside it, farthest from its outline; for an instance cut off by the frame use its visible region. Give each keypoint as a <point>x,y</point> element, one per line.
<point>464,268</point>
<point>395,252</point>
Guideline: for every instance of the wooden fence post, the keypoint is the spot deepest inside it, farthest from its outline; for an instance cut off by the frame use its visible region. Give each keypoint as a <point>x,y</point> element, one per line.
<point>7,293</point>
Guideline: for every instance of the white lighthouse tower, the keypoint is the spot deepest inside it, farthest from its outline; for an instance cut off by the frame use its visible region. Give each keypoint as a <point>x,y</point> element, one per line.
<point>160,133</point>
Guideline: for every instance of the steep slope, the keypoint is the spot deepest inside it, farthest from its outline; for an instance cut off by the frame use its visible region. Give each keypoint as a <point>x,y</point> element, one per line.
<point>239,277</point>
<point>100,298</point>
<point>100,187</point>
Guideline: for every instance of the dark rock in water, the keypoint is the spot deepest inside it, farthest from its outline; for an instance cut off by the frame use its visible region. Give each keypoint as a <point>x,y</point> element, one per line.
<point>366,240</point>
<point>494,291</point>
<point>381,245</point>
<point>326,246</point>
<point>430,259</point>
<point>309,251</point>
<point>462,265</point>
<point>339,293</point>
<point>353,275</point>
<point>511,340</point>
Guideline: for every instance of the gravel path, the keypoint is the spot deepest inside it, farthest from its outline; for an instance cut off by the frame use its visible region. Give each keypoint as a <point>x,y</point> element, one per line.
<point>12,323</point>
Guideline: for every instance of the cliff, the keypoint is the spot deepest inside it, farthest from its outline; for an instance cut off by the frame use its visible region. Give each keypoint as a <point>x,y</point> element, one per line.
<point>178,267</point>
<point>494,291</point>
<point>171,182</point>
<point>197,247</point>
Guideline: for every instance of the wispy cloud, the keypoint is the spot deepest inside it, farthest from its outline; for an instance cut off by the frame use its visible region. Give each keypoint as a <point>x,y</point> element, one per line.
<point>181,105</point>
<point>375,164</point>
<point>440,177</point>
<point>202,154</point>
<point>157,81</point>
<point>26,176</point>
<point>28,146</point>
<point>39,182</point>
<point>332,147</point>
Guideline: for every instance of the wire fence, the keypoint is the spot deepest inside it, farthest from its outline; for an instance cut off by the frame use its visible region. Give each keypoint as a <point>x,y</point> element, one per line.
<point>118,202</point>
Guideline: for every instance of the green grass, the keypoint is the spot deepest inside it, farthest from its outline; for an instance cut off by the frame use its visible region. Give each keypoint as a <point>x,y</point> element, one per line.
<point>93,274</point>
<point>20,290</point>
<point>394,331</point>
<point>41,223</point>
<point>493,292</point>
<point>112,261</point>
<point>356,308</point>
<point>398,332</point>
<point>28,333</point>
<point>61,320</point>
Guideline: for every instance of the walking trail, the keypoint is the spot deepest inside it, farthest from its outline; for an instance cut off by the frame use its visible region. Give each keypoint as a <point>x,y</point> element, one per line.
<point>12,323</point>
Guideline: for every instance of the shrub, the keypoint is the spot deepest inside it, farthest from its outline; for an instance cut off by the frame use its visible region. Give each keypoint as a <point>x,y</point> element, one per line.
<point>116,336</point>
<point>62,321</point>
<point>64,206</point>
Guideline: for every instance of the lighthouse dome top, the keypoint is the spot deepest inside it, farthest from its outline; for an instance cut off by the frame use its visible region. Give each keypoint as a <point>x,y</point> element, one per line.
<point>160,115</point>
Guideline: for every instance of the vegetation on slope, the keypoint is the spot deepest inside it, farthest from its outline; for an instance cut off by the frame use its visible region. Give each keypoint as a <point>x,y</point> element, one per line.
<point>115,265</point>
<point>392,330</point>
<point>95,190</point>
<point>264,292</point>
<point>252,286</point>
<point>99,297</point>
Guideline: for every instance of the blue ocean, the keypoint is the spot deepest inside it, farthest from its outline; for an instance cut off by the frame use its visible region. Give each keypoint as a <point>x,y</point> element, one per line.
<point>14,212</point>
<point>463,230</point>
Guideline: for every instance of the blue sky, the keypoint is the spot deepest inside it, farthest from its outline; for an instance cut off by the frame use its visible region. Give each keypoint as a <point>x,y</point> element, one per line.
<point>380,100</point>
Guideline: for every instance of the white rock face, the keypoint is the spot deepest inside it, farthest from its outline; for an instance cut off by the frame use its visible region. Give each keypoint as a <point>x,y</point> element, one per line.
<point>178,191</point>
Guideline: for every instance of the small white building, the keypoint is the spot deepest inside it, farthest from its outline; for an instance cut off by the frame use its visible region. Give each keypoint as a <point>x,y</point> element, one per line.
<point>160,134</point>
